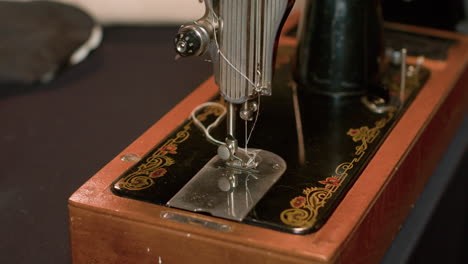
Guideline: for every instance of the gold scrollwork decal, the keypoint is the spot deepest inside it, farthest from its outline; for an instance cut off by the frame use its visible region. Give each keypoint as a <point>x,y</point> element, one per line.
<point>305,208</point>
<point>154,166</point>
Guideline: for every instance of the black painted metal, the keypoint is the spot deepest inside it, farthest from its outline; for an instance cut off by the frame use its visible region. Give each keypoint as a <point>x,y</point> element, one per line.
<point>341,47</point>
<point>326,123</point>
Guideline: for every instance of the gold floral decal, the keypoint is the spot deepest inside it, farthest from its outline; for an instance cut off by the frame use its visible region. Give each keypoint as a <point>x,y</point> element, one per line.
<point>305,208</point>
<point>155,165</point>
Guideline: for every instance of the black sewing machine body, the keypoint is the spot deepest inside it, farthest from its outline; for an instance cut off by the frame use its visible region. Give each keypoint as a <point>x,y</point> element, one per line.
<point>340,136</point>
<point>326,151</point>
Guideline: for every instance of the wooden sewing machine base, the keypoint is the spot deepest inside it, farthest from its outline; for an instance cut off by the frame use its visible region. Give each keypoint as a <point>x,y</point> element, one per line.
<point>106,228</point>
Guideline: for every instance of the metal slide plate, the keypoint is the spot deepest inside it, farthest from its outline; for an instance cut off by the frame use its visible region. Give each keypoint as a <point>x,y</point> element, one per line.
<point>229,192</point>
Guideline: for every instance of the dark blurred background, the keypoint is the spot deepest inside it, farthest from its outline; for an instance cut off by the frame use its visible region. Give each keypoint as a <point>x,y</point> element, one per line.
<point>54,137</point>
<point>440,14</point>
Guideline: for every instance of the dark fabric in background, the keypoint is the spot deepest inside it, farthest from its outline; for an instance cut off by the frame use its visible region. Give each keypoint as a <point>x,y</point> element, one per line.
<point>441,14</point>
<point>37,39</point>
<point>55,137</point>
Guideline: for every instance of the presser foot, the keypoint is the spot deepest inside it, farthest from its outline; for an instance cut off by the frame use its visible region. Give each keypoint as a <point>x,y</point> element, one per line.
<point>238,158</point>
<point>229,192</point>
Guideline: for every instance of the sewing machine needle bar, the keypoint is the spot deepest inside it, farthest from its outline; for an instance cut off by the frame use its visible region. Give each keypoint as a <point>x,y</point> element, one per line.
<point>231,120</point>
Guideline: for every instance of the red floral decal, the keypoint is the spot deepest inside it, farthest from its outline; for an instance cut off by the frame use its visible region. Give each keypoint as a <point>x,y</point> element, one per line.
<point>171,149</point>
<point>331,180</point>
<point>158,173</point>
<point>353,132</point>
<point>298,202</point>
<point>358,134</point>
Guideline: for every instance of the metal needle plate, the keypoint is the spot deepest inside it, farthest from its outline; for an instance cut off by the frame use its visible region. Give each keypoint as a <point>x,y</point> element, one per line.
<point>228,192</point>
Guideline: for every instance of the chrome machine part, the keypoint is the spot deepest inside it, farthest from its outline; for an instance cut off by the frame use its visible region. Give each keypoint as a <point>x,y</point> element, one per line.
<point>404,74</point>
<point>241,36</point>
<point>377,105</point>
<point>398,58</point>
<point>231,120</point>
<point>248,109</point>
<point>228,150</point>
<point>247,44</point>
<point>192,40</point>
<point>194,221</point>
<point>228,192</point>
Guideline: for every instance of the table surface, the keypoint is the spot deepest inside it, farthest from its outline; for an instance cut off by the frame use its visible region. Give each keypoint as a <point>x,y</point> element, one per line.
<point>54,137</point>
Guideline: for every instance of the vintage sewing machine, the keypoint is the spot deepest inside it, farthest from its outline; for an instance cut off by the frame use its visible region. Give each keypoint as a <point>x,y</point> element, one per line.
<point>278,138</point>
<point>337,102</point>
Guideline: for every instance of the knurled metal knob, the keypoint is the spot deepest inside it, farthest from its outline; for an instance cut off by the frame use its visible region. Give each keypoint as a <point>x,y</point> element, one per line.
<point>191,40</point>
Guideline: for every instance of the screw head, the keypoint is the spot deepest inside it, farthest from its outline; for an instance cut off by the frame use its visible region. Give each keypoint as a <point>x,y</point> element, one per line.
<point>224,152</point>
<point>130,158</point>
<point>181,46</point>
